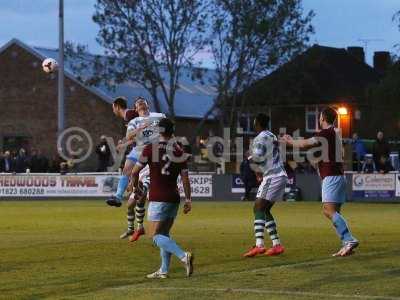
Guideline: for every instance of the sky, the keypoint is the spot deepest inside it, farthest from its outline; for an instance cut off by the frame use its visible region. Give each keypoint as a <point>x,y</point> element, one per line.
<point>338,23</point>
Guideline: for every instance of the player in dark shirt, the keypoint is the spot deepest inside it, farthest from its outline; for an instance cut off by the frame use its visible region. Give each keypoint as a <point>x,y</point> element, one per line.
<point>120,109</point>
<point>167,160</point>
<point>330,166</point>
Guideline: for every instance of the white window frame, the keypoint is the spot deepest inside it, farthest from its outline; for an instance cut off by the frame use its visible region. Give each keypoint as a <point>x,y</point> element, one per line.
<point>312,110</point>
<point>250,119</point>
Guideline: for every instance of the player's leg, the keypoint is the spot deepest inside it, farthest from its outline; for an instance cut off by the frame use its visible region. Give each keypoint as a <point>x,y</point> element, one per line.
<point>140,209</point>
<point>116,200</point>
<point>333,196</point>
<point>131,204</point>
<point>162,229</point>
<point>139,212</point>
<point>259,219</point>
<point>161,217</point>
<point>271,228</point>
<point>275,193</point>
<point>140,206</point>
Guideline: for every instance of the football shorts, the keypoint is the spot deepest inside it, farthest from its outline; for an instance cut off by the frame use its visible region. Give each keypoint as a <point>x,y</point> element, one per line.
<point>334,189</point>
<point>272,188</point>
<point>161,211</point>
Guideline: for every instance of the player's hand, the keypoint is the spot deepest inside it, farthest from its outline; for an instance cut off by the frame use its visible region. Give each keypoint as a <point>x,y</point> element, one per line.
<point>188,206</point>
<point>259,177</point>
<point>120,147</point>
<point>287,139</point>
<point>144,125</point>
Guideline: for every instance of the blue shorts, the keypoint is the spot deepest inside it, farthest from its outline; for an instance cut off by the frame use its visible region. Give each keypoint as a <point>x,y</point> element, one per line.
<point>334,189</point>
<point>161,211</point>
<point>132,156</point>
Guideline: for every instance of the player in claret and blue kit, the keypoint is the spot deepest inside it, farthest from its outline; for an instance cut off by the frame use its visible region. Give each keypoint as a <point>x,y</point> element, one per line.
<point>330,168</point>
<point>167,161</point>
<point>141,130</point>
<point>120,109</point>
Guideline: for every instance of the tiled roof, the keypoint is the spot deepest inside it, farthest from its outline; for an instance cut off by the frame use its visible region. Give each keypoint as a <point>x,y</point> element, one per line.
<point>193,99</point>
<point>320,75</point>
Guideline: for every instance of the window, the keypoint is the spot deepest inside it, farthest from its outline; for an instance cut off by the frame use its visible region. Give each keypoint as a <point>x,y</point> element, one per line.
<point>246,122</point>
<point>16,142</point>
<point>312,118</point>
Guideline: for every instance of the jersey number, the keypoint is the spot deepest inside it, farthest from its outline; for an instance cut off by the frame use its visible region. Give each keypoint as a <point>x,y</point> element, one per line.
<point>167,164</point>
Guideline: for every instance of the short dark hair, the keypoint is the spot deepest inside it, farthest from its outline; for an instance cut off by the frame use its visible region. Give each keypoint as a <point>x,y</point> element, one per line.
<point>262,120</point>
<point>121,102</point>
<point>329,114</point>
<point>168,127</point>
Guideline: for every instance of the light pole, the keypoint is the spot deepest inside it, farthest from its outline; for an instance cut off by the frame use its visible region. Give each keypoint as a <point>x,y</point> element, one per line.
<point>61,122</point>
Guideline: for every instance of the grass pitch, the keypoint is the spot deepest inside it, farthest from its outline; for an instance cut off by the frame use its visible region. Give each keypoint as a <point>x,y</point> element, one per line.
<point>71,250</point>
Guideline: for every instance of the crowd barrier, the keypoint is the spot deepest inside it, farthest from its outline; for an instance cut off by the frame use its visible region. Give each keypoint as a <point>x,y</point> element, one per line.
<point>205,186</point>
<point>81,185</point>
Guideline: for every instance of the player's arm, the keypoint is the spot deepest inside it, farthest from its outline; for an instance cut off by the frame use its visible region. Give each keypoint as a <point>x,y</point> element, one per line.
<point>187,190</point>
<point>131,134</point>
<point>123,144</point>
<point>301,143</point>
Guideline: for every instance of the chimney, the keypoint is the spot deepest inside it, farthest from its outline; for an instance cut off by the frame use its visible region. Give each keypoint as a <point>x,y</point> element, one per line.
<point>382,61</point>
<point>357,52</point>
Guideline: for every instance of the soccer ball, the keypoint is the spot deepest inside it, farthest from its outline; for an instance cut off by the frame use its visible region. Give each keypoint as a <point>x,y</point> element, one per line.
<point>49,65</point>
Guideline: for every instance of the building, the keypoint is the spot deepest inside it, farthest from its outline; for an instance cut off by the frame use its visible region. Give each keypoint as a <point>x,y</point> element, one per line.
<point>294,94</point>
<point>28,101</point>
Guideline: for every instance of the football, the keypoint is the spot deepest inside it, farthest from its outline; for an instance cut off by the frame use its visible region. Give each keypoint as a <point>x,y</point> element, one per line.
<point>49,65</point>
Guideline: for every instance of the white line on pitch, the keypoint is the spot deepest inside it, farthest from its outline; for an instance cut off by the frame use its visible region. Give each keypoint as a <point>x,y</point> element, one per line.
<point>274,292</point>
<point>270,292</point>
<point>313,262</point>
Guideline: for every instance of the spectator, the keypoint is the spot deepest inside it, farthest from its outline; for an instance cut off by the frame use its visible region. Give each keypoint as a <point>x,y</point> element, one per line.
<point>6,163</point>
<point>34,162</point>
<point>21,162</point>
<point>369,164</point>
<point>203,149</point>
<point>103,155</point>
<point>384,166</point>
<point>73,165</point>
<point>290,167</point>
<point>248,177</point>
<point>63,168</point>
<point>292,192</point>
<point>359,152</point>
<point>43,162</point>
<point>55,164</point>
<point>380,148</point>
<point>305,167</point>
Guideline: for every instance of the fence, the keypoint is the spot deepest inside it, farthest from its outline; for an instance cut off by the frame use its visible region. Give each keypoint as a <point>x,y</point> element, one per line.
<point>205,186</point>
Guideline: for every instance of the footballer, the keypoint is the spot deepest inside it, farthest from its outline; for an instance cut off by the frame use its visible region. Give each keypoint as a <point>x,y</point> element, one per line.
<point>331,172</point>
<point>265,156</point>
<point>142,130</point>
<point>167,161</point>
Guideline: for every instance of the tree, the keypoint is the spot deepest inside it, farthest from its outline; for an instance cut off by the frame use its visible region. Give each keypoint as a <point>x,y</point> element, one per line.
<point>147,42</point>
<point>251,38</point>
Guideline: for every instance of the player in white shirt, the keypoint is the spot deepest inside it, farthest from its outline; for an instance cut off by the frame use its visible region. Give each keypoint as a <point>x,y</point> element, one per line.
<point>265,159</point>
<point>142,130</point>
